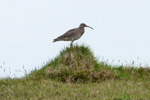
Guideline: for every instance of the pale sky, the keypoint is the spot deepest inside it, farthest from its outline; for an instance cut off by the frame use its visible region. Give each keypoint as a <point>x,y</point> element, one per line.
<point>28,27</point>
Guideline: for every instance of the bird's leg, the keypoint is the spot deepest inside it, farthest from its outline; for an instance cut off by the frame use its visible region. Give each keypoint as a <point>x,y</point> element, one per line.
<point>71,44</point>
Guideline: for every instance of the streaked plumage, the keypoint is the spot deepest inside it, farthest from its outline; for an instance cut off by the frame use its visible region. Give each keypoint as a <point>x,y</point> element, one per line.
<point>72,34</point>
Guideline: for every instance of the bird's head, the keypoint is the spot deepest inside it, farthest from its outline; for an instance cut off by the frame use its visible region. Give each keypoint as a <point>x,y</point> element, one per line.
<point>82,25</point>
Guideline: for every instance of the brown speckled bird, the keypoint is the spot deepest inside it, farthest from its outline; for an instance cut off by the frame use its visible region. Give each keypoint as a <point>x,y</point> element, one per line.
<point>73,34</point>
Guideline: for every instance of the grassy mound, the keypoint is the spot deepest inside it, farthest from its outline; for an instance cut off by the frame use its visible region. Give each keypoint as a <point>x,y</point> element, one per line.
<point>78,64</point>
<point>75,64</point>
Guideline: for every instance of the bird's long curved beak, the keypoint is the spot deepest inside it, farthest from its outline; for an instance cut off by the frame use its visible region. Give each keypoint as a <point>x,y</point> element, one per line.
<point>90,27</point>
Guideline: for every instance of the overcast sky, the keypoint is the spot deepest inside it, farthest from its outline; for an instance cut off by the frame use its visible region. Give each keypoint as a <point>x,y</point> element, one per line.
<point>28,27</point>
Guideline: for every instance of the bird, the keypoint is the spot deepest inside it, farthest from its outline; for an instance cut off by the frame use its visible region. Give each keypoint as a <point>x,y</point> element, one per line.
<point>73,34</point>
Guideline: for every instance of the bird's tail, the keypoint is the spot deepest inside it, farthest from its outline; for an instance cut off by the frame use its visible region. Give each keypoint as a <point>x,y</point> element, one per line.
<point>55,40</point>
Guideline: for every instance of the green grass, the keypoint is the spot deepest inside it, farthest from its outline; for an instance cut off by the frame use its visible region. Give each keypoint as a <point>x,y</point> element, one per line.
<point>77,74</point>
<point>27,89</point>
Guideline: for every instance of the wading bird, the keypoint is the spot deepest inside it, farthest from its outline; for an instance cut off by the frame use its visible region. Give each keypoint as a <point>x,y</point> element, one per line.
<point>73,34</point>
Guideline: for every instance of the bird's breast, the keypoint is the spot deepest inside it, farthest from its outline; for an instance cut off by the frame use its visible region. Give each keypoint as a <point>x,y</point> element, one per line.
<point>79,34</point>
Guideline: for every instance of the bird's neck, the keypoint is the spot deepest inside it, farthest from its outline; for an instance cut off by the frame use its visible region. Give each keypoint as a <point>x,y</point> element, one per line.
<point>81,29</point>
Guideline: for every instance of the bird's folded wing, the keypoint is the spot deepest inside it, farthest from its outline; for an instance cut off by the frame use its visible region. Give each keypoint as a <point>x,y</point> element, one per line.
<point>68,34</point>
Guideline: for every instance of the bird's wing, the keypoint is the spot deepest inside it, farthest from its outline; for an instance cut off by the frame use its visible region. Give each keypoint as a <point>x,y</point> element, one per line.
<point>68,34</point>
